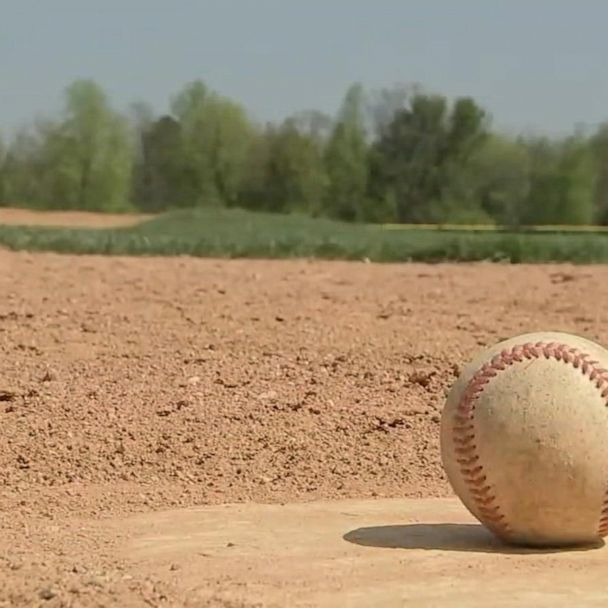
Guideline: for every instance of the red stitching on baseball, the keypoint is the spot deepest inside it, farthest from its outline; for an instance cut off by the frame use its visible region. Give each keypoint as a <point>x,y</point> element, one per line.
<point>464,430</point>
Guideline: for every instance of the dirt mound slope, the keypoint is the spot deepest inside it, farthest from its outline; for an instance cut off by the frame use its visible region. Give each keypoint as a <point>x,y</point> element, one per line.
<point>131,385</point>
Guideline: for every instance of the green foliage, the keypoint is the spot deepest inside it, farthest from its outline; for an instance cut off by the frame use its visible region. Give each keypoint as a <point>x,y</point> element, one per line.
<point>562,182</point>
<point>292,175</point>
<point>421,153</point>
<point>346,161</point>
<point>88,155</point>
<point>2,170</point>
<point>23,171</point>
<point>215,141</point>
<point>158,174</point>
<point>396,155</point>
<point>83,161</point>
<point>493,184</point>
<point>599,152</point>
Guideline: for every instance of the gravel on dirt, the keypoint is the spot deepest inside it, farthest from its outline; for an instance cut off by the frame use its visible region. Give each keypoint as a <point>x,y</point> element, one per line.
<point>134,385</point>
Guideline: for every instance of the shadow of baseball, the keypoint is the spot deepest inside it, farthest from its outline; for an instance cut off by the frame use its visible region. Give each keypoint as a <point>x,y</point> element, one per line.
<point>446,537</point>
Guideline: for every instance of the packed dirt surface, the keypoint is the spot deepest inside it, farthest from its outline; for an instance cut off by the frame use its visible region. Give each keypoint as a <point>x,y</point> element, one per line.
<point>132,386</point>
<point>68,219</point>
<point>384,553</point>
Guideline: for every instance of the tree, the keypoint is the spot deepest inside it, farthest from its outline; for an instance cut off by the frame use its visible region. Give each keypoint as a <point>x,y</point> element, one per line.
<point>409,157</point>
<point>292,173</point>
<point>140,117</point>
<point>254,193</point>
<point>89,153</point>
<point>25,172</point>
<point>382,105</point>
<point>215,142</point>
<point>396,154</point>
<point>419,155</point>
<point>580,180</point>
<point>465,133</point>
<point>317,125</point>
<point>158,180</point>
<point>496,182</point>
<point>599,150</point>
<point>562,182</point>
<point>346,161</point>
<point>2,171</point>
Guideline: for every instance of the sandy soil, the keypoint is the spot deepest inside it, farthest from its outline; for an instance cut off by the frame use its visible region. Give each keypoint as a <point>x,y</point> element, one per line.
<point>133,386</point>
<point>72,219</point>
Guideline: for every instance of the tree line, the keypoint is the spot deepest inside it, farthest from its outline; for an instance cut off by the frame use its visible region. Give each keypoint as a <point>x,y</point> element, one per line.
<point>398,154</point>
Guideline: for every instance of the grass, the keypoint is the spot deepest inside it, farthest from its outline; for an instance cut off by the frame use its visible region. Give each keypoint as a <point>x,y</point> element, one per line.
<point>556,229</point>
<point>237,233</point>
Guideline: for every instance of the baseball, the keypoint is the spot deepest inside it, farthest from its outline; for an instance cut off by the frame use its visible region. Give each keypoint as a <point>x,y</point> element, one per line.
<point>524,439</point>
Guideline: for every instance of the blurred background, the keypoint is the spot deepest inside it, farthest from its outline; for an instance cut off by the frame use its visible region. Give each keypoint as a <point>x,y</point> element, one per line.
<point>475,114</point>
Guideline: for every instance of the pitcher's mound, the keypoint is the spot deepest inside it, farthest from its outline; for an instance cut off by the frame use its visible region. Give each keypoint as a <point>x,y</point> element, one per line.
<point>385,553</point>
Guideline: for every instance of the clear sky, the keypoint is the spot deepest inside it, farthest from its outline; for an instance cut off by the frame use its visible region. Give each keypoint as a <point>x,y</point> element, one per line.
<point>540,64</point>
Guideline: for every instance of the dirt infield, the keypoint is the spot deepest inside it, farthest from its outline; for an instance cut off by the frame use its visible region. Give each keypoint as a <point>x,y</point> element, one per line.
<point>69,219</point>
<point>131,387</point>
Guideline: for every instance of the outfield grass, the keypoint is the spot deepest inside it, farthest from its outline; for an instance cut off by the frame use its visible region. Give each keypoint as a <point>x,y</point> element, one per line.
<point>237,233</point>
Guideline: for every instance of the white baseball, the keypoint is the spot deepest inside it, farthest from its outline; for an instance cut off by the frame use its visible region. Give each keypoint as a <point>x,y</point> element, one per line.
<point>524,439</point>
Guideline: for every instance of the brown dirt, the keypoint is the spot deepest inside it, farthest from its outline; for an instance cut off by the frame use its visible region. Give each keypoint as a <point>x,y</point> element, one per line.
<point>134,385</point>
<point>68,219</point>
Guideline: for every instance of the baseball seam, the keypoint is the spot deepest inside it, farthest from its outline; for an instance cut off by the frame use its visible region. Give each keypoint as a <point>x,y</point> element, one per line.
<point>463,430</point>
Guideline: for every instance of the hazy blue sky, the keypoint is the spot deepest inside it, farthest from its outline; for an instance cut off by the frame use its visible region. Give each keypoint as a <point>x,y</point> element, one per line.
<point>532,63</point>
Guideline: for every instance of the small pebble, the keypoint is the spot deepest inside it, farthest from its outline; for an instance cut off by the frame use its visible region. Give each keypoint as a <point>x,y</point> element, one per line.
<point>47,593</point>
